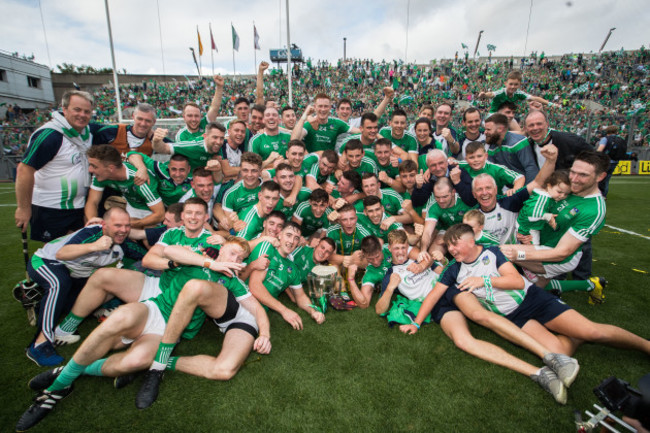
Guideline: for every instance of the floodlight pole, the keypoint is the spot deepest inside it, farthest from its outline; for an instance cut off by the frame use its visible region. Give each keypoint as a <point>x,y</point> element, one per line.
<point>344,49</point>
<point>606,39</point>
<point>478,40</point>
<point>289,57</point>
<point>115,82</point>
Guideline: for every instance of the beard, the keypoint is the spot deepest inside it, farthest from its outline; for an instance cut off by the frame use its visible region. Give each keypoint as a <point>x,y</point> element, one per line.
<point>492,139</point>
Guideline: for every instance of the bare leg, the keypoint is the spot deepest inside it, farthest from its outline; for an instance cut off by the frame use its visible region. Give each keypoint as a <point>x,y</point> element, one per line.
<point>105,284</point>
<point>455,326</point>
<point>128,321</point>
<point>576,325</point>
<point>469,305</point>
<point>237,344</point>
<point>555,343</point>
<point>137,357</point>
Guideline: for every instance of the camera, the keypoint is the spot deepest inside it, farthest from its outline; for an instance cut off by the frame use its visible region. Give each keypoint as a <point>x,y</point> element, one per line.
<point>618,395</point>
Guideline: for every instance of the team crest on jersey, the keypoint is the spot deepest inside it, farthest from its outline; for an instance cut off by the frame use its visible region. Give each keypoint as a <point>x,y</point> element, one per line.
<point>485,260</point>
<point>574,211</point>
<point>76,158</point>
<point>499,218</point>
<point>289,269</point>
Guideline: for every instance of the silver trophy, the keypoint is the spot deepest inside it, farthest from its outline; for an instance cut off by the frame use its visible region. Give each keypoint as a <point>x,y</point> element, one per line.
<point>322,282</point>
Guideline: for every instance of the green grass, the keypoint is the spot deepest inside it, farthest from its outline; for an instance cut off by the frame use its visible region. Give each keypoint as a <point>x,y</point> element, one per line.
<point>352,373</point>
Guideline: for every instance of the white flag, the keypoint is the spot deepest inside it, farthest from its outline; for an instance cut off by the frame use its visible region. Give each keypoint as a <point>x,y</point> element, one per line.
<point>256,38</point>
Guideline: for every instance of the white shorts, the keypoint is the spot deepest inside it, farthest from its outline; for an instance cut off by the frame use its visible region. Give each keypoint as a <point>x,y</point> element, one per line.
<point>155,325</point>
<point>137,213</point>
<point>554,269</point>
<point>150,288</point>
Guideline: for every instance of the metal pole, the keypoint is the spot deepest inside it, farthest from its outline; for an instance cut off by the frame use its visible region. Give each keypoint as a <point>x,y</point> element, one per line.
<point>606,39</point>
<point>47,46</point>
<point>477,42</point>
<point>211,50</point>
<point>115,82</point>
<point>530,13</point>
<point>162,54</point>
<point>344,49</point>
<point>289,57</point>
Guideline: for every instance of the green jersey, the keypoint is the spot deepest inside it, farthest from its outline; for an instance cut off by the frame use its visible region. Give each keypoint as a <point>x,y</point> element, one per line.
<point>366,147</point>
<point>264,144</point>
<point>347,244</point>
<point>239,197</point>
<point>407,142</point>
<point>582,217</point>
<point>501,96</point>
<point>374,275</point>
<point>306,165</point>
<point>503,176</point>
<point>486,239</point>
<point>281,273</point>
<point>184,134</point>
<point>140,197</point>
<point>303,259</point>
<point>177,236</point>
<point>376,229</point>
<point>314,172</point>
<point>254,222</point>
<point>534,215</point>
<point>195,151</point>
<point>308,222</point>
<point>288,211</point>
<point>390,170</point>
<point>390,199</point>
<point>167,188</point>
<point>325,136</point>
<point>236,286</point>
<point>367,166</point>
<point>447,217</point>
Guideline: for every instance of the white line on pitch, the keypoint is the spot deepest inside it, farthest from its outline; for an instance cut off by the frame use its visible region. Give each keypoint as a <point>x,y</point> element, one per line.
<point>627,231</point>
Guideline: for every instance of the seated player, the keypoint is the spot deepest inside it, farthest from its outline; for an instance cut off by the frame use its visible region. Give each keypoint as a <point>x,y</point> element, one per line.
<point>282,273</point>
<point>347,234</point>
<point>63,266</point>
<point>412,279</point>
<point>291,194</point>
<point>374,218</point>
<point>253,216</point>
<point>306,257</point>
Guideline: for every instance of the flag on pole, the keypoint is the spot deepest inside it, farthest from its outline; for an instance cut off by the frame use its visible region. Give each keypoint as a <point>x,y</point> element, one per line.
<point>235,39</point>
<point>491,47</point>
<point>256,37</point>
<point>214,46</point>
<point>200,44</point>
<point>464,46</point>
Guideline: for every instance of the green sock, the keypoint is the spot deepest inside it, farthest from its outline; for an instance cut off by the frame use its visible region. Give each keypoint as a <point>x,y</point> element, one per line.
<point>70,323</point>
<point>162,356</point>
<point>70,372</point>
<point>570,285</point>
<point>171,363</point>
<point>95,369</point>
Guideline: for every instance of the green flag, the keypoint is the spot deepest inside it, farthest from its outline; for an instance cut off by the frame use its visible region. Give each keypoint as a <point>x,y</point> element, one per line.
<point>235,39</point>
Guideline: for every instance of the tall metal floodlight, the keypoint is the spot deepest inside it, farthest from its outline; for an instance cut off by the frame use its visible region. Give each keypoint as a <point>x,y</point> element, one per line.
<point>115,82</point>
<point>344,49</point>
<point>606,39</point>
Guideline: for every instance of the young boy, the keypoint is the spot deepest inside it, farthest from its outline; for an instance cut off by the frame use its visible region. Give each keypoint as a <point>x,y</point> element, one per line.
<point>476,219</point>
<point>477,162</point>
<point>511,92</point>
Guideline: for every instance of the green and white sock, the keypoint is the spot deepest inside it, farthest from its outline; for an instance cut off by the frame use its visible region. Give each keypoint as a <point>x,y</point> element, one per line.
<point>162,356</point>
<point>171,364</point>
<point>69,324</point>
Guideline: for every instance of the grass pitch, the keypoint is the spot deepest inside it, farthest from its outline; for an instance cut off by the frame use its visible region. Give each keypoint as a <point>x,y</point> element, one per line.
<point>352,373</point>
